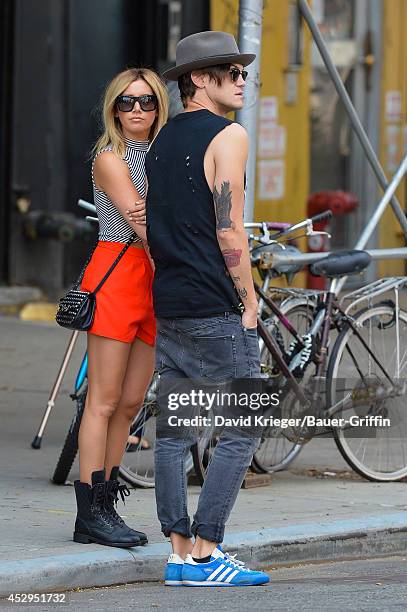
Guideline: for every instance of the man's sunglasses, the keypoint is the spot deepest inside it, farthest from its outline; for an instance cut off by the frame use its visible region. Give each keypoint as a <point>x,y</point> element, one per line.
<point>235,73</point>
<point>125,104</point>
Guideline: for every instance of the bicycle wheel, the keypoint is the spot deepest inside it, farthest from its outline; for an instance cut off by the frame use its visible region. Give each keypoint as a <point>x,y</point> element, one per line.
<point>137,466</point>
<point>203,449</point>
<point>70,448</point>
<point>377,453</point>
<point>276,452</point>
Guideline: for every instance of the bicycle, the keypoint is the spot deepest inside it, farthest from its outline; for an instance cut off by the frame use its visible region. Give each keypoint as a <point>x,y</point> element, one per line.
<point>362,377</point>
<point>375,388</point>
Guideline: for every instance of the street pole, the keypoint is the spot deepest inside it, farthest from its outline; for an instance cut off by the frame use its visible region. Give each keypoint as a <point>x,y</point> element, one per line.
<point>250,31</point>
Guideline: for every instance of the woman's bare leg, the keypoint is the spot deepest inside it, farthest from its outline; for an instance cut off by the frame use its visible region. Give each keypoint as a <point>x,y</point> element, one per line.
<point>140,369</point>
<point>106,372</point>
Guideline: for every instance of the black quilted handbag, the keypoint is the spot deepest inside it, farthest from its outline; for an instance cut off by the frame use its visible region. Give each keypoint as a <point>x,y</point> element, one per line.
<point>77,308</point>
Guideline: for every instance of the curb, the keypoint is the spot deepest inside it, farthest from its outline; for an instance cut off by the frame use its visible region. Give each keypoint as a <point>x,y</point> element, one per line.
<point>29,303</point>
<point>38,311</point>
<point>353,538</point>
<point>13,299</point>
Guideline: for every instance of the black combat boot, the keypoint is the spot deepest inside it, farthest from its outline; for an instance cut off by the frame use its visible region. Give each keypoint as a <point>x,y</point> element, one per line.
<point>114,488</point>
<point>93,521</point>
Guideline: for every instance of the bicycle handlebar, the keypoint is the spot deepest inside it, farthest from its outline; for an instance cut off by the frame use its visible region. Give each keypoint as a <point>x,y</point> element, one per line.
<point>277,225</point>
<point>327,214</point>
<point>86,205</point>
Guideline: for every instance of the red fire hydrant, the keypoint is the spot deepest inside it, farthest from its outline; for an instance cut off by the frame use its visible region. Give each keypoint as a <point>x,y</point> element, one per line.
<point>340,203</point>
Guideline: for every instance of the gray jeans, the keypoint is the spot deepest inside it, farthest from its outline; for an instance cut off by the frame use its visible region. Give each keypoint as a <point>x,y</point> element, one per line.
<point>215,348</point>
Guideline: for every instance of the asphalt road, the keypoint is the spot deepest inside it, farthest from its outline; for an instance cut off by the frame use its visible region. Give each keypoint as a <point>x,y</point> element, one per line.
<point>359,586</point>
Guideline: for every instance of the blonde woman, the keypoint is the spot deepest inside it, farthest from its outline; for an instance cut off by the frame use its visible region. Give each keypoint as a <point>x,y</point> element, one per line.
<point>121,339</point>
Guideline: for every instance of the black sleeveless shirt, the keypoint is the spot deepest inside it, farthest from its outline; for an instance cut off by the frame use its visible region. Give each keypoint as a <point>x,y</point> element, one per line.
<point>191,279</point>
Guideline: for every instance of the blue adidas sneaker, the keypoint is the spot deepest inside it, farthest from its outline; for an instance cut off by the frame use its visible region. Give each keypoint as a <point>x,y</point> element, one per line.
<point>173,571</point>
<point>221,570</point>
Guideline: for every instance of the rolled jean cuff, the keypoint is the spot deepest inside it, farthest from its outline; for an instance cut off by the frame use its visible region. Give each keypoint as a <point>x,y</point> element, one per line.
<point>182,527</point>
<point>213,532</point>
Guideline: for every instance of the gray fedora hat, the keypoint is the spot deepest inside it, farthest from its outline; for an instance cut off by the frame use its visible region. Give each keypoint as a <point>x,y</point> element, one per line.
<point>206,49</point>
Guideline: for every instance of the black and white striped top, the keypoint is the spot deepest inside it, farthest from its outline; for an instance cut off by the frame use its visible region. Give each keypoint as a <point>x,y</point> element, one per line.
<point>113,227</point>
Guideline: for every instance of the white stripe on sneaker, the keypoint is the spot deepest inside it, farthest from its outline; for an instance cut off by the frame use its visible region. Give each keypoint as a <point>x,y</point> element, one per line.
<point>205,583</point>
<point>216,572</point>
<point>232,575</point>
<point>225,573</point>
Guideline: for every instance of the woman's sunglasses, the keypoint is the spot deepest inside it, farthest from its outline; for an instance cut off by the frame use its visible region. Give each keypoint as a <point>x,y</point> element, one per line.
<point>235,73</point>
<point>125,104</point>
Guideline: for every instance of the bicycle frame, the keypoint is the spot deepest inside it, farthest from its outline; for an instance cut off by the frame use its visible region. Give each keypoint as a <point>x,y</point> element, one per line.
<point>82,373</point>
<point>323,320</point>
<point>275,351</point>
<point>276,311</point>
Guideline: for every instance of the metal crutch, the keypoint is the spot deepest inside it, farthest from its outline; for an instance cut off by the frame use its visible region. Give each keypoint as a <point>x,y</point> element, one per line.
<point>36,443</point>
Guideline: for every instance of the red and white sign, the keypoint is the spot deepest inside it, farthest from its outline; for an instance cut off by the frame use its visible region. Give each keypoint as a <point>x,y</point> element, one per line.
<point>271,179</point>
<point>272,140</point>
<point>393,138</point>
<point>269,108</point>
<point>393,106</point>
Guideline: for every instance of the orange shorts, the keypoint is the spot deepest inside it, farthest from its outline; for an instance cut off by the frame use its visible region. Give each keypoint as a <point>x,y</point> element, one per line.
<point>124,306</point>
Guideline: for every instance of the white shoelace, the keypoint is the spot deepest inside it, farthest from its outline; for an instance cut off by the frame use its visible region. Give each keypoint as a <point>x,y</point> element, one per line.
<point>239,564</point>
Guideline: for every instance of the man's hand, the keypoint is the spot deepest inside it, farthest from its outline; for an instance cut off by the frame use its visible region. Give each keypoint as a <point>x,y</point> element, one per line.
<point>249,318</point>
<point>137,213</point>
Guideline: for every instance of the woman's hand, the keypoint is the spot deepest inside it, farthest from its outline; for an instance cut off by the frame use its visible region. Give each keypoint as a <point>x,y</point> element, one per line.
<point>147,250</point>
<point>137,214</point>
<point>112,175</point>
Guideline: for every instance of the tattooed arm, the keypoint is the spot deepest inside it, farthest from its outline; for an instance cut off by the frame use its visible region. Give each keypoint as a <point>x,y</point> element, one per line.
<point>230,150</point>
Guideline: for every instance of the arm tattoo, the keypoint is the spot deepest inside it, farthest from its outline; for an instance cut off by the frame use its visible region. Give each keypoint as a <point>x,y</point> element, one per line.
<point>242,292</point>
<point>232,257</point>
<point>223,205</point>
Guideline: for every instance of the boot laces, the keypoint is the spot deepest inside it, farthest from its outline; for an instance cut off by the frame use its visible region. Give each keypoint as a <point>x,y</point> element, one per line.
<point>100,501</point>
<point>124,492</point>
<point>113,490</point>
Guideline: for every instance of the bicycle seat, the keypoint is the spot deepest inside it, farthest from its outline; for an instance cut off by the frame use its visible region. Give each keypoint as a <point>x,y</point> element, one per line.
<point>341,263</point>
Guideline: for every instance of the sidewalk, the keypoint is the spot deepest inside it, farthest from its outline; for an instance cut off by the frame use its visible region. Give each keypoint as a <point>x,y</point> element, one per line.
<point>301,516</point>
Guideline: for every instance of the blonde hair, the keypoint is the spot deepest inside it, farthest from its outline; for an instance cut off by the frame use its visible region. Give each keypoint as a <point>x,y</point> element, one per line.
<point>112,129</point>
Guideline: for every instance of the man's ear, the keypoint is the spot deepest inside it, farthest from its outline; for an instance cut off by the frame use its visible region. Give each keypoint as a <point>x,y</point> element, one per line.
<point>198,79</point>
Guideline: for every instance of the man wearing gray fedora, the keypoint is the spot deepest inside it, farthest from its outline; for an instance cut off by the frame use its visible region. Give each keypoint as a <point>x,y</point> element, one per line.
<point>195,169</point>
